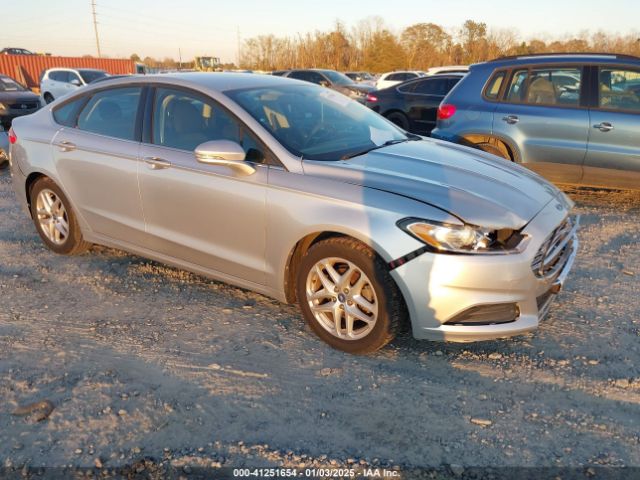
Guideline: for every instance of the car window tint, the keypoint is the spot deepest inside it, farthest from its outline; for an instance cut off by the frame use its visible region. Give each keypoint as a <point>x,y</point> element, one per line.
<point>493,89</point>
<point>73,76</point>
<point>517,86</point>
<point>66,114</point>
<point>395,77</point>
<point>183,120</point>
<point>554,86</point>
<point>112,113</point>
<point>58,76</point>
<point>316,78</point>
<point>431,86</point>
<point>619,89</point>
<point>299,75</point>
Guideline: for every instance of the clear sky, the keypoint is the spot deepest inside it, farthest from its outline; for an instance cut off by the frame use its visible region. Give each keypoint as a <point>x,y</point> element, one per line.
<point>159,28</point>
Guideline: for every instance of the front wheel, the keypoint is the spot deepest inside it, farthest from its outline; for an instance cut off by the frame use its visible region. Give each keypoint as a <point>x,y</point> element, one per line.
<point>54,219</point>
<point>348,297</point>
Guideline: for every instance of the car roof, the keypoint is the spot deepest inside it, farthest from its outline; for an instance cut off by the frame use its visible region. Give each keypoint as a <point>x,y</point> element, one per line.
<point>219,81</point>
<point>563,58</point>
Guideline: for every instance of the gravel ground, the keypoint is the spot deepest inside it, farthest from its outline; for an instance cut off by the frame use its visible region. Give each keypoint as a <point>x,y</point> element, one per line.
<point>144,361</point>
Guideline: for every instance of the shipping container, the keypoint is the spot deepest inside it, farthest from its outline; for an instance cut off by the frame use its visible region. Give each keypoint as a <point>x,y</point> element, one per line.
<point>27,69</point>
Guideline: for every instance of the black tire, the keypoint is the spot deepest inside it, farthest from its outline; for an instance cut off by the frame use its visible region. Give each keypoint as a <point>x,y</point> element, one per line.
<point>73,244</point>
<point>492,149</point>
<point>48,98</point>
<point>391,306</point>
<point>400,119</point>
<point>4,163</point>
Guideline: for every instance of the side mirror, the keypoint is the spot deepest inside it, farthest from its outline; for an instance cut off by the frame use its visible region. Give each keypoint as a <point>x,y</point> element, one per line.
<point>224,153</point>
<point>75,82</point>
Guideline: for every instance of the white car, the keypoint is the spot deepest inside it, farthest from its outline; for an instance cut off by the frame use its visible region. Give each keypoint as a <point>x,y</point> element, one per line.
<point>390,79</point>
<point>57,82</point>
<point>447,69</point>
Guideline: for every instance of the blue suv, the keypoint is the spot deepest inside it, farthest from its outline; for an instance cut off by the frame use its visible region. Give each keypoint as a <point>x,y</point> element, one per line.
<point>573,118</point>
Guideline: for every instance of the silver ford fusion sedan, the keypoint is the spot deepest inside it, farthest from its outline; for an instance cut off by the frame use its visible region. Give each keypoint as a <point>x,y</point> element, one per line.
<point>297,192</point>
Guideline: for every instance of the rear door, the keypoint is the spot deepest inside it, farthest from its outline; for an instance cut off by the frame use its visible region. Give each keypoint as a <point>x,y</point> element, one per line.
<point>422,98</point>
<point>546,119</point>
<point>96,155</point>
<point>613,153</point>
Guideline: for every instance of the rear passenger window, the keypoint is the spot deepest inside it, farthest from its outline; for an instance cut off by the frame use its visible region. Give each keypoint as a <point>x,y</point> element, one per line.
<point>619,89</point>
<point>432,86</point>
<point>554,86</point>
<point>112,113</point>
<point>493,89</point>
<point>66,114</point>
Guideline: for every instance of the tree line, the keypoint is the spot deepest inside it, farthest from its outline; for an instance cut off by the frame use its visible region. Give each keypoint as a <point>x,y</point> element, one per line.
<point>372,46</point>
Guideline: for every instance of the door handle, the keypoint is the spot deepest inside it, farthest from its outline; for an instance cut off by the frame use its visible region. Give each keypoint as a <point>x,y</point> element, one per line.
<point>156,163</point>
<point>511,119</point>
<point>65,146</point>
<point>604,127</point>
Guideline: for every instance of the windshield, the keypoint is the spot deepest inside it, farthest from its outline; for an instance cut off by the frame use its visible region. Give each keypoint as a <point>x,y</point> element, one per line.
<point>9,85</point>
<point>90,75</point>
<point>317,123</point>
<point>337,78</point>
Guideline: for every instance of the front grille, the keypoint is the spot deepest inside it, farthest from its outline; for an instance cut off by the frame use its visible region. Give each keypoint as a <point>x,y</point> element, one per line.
<point>555,251</point>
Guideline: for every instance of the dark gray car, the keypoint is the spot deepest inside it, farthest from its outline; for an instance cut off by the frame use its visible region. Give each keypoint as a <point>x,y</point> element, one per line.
<point>334,80</point>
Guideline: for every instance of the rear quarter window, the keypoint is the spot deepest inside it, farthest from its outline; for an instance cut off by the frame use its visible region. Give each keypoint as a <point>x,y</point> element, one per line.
<point>493,87</point>
<point>67,114</point>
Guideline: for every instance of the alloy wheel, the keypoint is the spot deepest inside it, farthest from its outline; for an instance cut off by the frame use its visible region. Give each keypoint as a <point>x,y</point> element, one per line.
<point>52,217</point>
<point>342,298</point>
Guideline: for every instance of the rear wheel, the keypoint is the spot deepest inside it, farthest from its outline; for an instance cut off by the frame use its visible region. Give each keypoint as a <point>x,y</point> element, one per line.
<point>493,149</point>
<point>48,97</point>
<point>348,297</point>
<point>54,219</point>
<point>4,160</point>
<point>400,119</point>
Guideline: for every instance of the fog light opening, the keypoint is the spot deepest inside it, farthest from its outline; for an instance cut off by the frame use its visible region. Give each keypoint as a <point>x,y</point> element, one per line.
<point>492,314</point>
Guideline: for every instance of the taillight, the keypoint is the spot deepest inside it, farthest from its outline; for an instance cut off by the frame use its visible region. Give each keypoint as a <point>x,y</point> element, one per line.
<point>446,111</point>
<point>12,136</point>
<point>371,98</point>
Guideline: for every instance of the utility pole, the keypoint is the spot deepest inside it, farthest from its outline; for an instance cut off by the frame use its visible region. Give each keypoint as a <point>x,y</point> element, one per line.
<point>95,26</point>
<point>238,46</point>
<point>179,59</point>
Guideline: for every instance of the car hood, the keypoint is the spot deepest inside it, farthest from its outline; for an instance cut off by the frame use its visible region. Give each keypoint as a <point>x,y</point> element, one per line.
<point>17,97</point>
<point>477,188</point>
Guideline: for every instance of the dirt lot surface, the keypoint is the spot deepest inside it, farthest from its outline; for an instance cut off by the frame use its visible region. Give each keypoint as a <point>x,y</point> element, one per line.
<point>145,361</point>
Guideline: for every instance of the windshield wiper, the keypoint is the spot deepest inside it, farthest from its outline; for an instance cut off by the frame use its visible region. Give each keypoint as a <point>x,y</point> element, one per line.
<point>385,144</point>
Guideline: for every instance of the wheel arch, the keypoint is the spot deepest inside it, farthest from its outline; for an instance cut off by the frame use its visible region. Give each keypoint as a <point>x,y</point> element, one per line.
<point>504,144</point>
<point>304,244</point>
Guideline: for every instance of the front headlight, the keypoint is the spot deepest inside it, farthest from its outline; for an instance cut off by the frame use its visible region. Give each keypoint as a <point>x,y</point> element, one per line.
<point>442,237</point>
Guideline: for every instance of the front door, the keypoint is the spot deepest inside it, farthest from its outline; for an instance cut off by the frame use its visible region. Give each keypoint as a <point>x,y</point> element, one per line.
<point>206,215</point>
<point>546,118</point>
<point>613,153</point>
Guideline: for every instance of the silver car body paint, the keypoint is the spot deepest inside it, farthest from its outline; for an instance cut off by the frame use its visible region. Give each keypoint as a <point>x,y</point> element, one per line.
<point>243,229</point>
